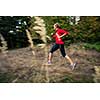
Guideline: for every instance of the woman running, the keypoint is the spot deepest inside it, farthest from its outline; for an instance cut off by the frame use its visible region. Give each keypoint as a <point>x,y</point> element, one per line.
<point>59,44</point>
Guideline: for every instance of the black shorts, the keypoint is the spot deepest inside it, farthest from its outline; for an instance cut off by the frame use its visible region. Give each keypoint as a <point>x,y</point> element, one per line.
<point>58,46</point>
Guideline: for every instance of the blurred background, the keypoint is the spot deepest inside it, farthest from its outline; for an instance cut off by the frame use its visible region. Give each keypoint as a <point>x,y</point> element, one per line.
<point>26,40</point>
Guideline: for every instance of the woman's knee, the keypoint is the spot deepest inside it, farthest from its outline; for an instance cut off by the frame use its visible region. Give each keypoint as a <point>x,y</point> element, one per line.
<point>64,55</point>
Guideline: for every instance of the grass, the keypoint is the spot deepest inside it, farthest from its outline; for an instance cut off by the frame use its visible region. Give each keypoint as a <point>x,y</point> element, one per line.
<point>27,68</point>
<point>95,46</point>
<point>73,79</point>
<point>6,77</point>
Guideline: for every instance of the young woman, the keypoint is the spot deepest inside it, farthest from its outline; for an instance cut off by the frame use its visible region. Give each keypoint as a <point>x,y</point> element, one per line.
<point>59,44</point>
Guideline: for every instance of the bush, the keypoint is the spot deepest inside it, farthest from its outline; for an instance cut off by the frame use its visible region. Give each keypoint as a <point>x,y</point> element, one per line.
<point>95,46</point>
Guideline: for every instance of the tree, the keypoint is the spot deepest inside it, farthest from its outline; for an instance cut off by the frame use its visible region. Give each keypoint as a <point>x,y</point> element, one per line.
<point>88,29</point>
<point>13,30</point>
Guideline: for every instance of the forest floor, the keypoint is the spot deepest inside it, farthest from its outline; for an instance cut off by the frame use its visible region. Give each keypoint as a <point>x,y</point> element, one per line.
<point>21,66</point>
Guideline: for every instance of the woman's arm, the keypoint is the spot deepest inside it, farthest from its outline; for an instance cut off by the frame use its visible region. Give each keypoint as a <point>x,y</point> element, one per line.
<point>53,35</point>
<point>62,35</point>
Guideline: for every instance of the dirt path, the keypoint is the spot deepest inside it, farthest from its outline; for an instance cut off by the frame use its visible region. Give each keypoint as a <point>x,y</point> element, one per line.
<point>21,66</point>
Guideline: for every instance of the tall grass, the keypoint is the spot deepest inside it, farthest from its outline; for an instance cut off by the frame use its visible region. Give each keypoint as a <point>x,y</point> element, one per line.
<point>4,47</point>
<point>40,28</point>
<point>30,41</point>
<point>97,74</point>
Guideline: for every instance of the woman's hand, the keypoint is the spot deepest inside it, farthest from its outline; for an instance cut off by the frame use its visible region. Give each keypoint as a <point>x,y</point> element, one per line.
<point>52,33</point>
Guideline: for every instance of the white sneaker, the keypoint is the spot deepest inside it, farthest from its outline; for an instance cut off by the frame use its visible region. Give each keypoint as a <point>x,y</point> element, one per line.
<point>73,66</point>
<point>49,63</point>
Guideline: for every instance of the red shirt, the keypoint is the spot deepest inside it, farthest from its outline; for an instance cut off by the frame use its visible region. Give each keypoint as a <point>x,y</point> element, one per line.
<point>59,32</point>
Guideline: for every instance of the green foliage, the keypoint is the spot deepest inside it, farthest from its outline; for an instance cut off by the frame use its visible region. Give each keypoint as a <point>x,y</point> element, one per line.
<point>6,77</point>
<point>51,20</point>
<point>95,46</point>
<point>13,29</point>
<point>88,29</point>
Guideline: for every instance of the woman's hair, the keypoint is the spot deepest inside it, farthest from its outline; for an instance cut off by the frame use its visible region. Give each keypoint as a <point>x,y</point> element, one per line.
<point>57,25</point>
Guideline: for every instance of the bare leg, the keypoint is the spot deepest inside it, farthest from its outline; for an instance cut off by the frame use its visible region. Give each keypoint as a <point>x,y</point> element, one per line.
<point>53,49</point>
<point>62,50</point>
<point>69,59</point>
<point>50,57</point>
